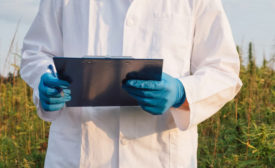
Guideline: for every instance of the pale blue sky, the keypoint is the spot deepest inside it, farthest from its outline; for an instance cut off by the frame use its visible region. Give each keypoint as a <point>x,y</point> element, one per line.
<point>251,20</point>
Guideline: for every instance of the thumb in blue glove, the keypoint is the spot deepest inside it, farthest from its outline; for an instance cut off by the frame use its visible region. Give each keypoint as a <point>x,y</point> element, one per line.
<point>156,97</point>
<point>50,88</point>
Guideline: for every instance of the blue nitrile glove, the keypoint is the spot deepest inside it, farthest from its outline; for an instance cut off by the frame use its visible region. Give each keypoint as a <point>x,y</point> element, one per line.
<point>156,97</point>
<point>50,89</point>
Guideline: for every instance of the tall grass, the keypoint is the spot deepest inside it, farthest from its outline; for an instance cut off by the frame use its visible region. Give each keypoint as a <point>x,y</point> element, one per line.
<point>240,135</point>
<point>23,136</point>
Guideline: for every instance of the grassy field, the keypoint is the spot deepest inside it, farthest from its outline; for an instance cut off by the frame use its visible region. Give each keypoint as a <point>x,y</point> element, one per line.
<point>240,135</point>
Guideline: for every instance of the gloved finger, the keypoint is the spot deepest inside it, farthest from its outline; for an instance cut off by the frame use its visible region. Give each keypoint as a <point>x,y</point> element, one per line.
<point>144,93</point>
<point>146,84</point>
<point>147,101</point>
<point>62,93</point>
<point>56,84</point>
<point>52,107</point>
<point>153,110</point>
<point>51,81</point>
<point>47,90</point>
<point>54,93</point>
<point>66,91</point>
<point>54,100</point>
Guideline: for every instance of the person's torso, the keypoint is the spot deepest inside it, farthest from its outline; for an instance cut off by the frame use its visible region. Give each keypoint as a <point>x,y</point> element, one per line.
<point>124,136</point>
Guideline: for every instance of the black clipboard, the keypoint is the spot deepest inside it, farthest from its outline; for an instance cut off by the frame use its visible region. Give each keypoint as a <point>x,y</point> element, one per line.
<point>97,81</point>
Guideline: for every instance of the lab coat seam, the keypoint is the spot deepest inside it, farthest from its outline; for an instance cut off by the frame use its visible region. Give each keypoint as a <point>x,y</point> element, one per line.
<point>58,22</point>
<point>198,5</point>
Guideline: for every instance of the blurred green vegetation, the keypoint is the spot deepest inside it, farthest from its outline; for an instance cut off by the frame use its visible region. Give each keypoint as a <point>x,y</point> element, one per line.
<point>23,136</point>
<point>240,135</point>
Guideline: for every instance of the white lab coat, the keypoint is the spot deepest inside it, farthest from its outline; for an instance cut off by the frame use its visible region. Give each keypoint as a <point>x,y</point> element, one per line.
<point>195,41</point>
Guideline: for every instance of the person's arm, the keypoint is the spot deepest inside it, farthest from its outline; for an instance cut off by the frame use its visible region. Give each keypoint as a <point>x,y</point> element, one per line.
<point>215,66</point>
<point>42,42</point>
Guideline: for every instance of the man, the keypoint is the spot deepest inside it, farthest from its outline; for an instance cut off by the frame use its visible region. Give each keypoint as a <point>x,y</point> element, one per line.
<point>200,75</point>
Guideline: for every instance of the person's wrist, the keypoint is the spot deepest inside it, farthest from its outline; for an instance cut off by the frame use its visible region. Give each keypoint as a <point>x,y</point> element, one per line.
<point>181,94</point>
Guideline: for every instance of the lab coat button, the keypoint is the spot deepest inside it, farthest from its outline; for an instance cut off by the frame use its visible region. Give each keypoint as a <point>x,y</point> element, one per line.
<point>130,22</point>
<point>124,141</point>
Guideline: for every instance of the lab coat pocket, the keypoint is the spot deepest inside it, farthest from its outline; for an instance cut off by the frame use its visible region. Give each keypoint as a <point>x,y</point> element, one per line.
<point>183,148</point>
<point>68,123</point>
<point>172,41</point>
<point>173,35</point>
<point>63,151</point>
<point>166,9</point>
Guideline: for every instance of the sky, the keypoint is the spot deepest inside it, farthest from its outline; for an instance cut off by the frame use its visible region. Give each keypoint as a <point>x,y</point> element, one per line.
<point>251,20</point>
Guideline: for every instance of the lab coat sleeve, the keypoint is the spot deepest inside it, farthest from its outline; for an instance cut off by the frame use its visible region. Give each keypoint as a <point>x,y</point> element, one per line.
<point>214,67</point>
<point>42,42</point>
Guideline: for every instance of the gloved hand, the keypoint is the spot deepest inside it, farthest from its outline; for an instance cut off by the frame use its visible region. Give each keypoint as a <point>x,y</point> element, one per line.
<point>50,88</point>
<point>156,97</point>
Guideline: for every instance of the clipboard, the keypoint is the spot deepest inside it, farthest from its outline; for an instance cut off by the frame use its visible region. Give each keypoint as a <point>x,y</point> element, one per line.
<point>97,81</point>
